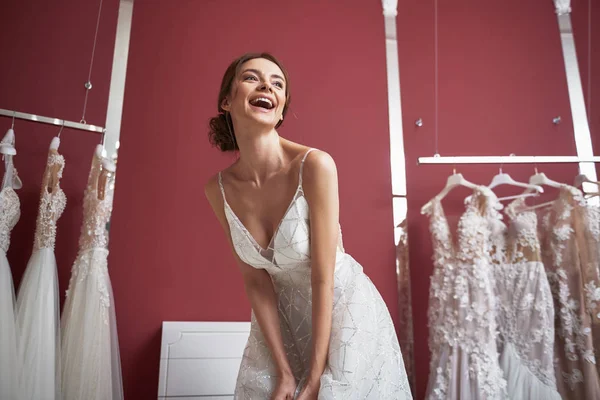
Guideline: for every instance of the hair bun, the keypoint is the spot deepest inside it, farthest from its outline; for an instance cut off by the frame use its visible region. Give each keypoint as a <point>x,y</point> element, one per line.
<point>220,134</point>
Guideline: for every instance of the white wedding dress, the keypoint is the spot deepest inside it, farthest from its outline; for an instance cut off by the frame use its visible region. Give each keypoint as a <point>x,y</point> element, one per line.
<point>90,349</point>
<point>9,215</point>
<point>364,359</point>
<point>571,261</point>
<point>525,309</point>
<point>38,300</point>
<point>462,305</point>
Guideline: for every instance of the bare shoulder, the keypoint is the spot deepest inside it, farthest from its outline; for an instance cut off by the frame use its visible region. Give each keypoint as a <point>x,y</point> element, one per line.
<point>319,166</point>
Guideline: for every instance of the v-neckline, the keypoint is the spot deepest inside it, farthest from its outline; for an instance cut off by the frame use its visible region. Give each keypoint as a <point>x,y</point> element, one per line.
<point>453,238</point>
<point>276,231</point>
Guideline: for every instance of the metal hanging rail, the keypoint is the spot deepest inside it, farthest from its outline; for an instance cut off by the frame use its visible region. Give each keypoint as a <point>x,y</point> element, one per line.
<point>51,121</point>
<point>449,160</point>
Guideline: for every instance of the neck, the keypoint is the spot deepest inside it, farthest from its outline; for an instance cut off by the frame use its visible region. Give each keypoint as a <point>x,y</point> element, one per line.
<point>261,155</point>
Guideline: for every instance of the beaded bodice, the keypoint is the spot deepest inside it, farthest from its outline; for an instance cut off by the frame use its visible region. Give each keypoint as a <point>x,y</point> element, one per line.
<point>97,207</point>
<point>52,203</point>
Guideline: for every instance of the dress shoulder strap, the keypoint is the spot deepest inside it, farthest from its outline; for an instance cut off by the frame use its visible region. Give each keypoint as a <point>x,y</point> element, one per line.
<point>302,167</point>
<point>220,180</point>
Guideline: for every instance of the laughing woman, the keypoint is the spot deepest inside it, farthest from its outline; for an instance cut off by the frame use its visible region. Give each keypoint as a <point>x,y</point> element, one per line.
<point>319,327</point>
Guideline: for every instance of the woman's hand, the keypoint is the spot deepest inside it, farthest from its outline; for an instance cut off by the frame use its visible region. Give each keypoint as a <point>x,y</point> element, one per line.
<point>286,388</point>
<point>310,391</point>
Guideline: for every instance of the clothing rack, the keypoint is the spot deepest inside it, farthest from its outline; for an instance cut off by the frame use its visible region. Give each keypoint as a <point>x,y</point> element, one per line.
<point>450,160</point>
<point>52,121</point>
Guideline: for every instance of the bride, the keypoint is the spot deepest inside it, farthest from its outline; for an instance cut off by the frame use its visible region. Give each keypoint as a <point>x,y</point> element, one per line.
<point>319,327</point>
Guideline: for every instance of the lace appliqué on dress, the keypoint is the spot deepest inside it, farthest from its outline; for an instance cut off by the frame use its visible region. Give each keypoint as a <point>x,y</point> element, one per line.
<point>9,215</point>
<point>525,307</point>
<point>461,310</point>
<point>52,204</point>
<point>565,253</point>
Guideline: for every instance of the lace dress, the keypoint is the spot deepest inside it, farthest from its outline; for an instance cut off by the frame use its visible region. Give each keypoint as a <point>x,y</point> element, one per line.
<point>574,284</point>
<point>462,324</point>
<point>525,311</point>
<point>37,301</point>
<point>589,240</point>
<point>364,359</point>
<point>9,361</point>
<point>90,348</point>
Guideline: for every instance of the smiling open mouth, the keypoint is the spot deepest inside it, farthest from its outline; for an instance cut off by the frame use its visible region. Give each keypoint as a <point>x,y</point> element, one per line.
<point>262,102</point>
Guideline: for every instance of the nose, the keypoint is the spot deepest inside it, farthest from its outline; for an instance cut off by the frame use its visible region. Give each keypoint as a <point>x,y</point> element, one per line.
<point>265,86</point>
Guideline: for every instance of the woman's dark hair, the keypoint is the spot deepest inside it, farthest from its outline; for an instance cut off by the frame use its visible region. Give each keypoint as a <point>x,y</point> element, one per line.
<point>221,132</point>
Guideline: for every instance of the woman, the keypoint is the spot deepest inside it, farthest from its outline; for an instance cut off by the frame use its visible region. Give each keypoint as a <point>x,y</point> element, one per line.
<point>320,330</point>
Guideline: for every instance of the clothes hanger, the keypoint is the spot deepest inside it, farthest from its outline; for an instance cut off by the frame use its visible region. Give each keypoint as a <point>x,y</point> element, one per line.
<point>581,179</point>
<point>7,148</point>
<point>55,143</point>
<point>503,178</point>
<point>453,181</point>
<point>539,178</point>
<point>7,145</point>
<point>107,163</point>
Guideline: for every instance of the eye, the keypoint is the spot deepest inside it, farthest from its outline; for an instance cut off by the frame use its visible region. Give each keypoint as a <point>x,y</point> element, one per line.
<point>279,84</point>
<point>250,78</point>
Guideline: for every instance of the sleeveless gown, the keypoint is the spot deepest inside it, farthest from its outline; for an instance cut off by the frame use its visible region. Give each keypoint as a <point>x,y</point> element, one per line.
<point>525,312</point>
<point>9,216</point>
<point>90,349</point>
<point>462,325</point>
<point>571,264</point>
<point>38,298</point>
<point>364,359</point>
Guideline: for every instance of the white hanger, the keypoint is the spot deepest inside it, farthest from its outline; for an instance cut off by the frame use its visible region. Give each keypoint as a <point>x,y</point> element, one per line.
<point>505,179</point>
<point>582,178</point>
<point>7,145</point>
<point>7,148</point>
<point>55,143</point>
<point>454,180</point>
<point>108,165</point>
<point>539,178</point>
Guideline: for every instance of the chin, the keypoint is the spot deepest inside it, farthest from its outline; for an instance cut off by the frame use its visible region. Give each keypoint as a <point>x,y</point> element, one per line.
<point>264,120</point>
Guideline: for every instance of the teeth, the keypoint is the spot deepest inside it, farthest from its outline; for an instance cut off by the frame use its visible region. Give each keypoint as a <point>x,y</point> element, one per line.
<point>263,99</point>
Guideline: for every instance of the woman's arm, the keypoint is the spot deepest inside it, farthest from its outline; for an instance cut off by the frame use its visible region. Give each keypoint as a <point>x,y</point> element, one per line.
<point>321,190</point>
<point>259,289</point>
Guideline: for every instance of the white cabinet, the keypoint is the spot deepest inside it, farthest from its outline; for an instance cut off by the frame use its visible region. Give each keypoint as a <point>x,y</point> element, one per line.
<point>200,360</point>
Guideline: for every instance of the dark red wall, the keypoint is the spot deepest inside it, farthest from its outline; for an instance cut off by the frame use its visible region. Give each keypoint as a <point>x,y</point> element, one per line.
<point>169,257</point>
<point>46,49</point>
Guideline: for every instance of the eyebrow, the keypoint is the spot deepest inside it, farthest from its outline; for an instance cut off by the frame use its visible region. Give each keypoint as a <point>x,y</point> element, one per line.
<point>257,72</point>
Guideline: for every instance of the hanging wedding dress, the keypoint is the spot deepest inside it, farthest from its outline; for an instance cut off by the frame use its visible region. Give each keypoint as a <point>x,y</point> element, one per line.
<point>90,349</point>
<point>573,282</point>
<point>462,319</point>
<point>9,215</point>
<point>364,359</point>
<point>37,300</point>
<point>525,311</point>
<point>590,261</point>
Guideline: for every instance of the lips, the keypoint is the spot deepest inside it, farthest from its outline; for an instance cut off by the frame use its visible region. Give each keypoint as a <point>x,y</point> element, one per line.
<point>263,102</point>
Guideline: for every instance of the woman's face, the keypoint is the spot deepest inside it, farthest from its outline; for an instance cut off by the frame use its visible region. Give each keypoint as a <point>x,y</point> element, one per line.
<point>257,94</point>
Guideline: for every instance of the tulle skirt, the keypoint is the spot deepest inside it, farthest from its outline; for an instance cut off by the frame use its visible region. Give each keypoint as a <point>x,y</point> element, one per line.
<point>38,327</point>
<point>522,382</point>
<point>90,348</point>
<point>9,362</point>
